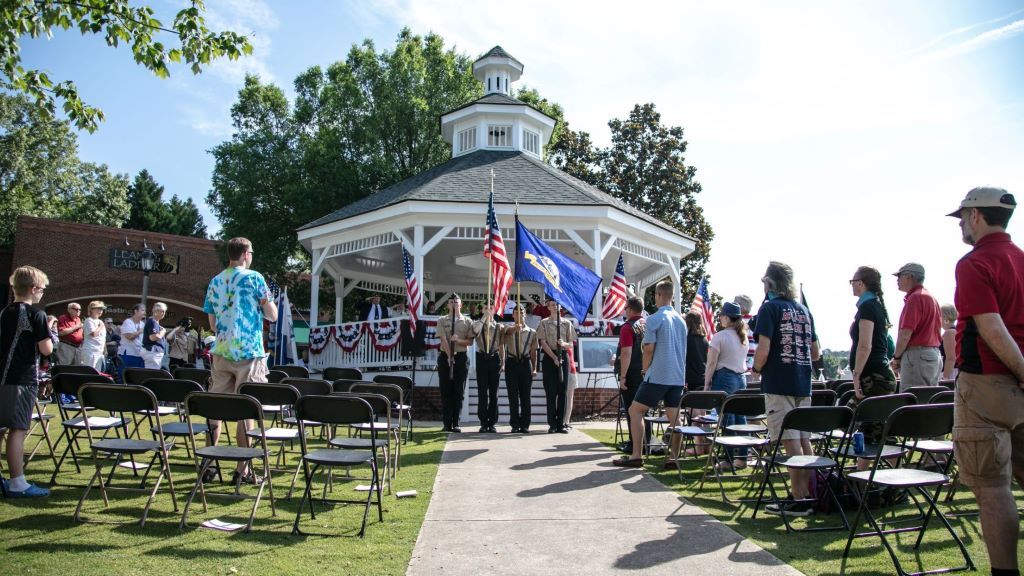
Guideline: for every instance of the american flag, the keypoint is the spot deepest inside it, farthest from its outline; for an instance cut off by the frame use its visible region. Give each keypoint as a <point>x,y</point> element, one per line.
<point>615,302</point>
<point>702,305</point>
<point>412,290</point>
<point>494,250</point>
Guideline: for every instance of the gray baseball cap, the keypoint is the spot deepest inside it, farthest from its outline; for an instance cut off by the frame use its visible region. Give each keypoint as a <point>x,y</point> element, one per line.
<point>986,197</point>
<point>911,268</point>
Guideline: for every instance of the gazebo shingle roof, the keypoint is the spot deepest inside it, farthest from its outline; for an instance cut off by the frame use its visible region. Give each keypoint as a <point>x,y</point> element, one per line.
<point>500,53</point>
<point>466,179</point>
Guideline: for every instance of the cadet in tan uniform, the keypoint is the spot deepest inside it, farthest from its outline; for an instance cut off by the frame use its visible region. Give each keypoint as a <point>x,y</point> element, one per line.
<point>556,336</point>
<point>456,334</point>
<point>519,343</point>
<point>488,368</point>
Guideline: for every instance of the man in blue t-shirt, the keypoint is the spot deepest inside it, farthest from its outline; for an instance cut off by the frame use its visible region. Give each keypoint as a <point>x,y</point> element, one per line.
<point>663,373</point>
<point>786,347</point>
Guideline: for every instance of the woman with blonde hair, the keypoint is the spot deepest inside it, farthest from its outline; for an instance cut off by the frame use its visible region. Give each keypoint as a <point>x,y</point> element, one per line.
<point>948,347</point>
<point>94,347</point>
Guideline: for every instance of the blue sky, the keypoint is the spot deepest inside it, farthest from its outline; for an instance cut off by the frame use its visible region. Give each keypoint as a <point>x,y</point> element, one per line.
<point>827,135</point>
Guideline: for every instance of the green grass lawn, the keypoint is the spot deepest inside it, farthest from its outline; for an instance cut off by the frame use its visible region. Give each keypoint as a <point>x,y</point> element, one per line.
<point>820,553</point>
<point>40,537</point>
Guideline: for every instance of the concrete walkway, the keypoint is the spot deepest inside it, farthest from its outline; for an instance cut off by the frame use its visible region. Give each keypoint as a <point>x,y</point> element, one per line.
<point>554,504</point>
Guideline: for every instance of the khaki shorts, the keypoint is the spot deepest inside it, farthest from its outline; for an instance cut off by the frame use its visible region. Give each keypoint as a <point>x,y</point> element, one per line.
<point>227,376</point>
<point>988,428</point>
<point>777,407</point>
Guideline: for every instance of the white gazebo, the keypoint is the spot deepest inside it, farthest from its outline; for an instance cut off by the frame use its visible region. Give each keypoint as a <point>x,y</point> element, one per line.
<point>438,215</point>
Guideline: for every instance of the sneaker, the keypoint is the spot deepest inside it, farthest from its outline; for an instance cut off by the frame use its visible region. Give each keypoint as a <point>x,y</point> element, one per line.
<point>210,475</point>
<point>796,508</point>
<point>563,430</point>
<point>248,478</point>
<point>32,491</point>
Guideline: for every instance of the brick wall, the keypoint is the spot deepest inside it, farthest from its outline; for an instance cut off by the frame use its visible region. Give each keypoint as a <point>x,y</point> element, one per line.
<point>76,258</point>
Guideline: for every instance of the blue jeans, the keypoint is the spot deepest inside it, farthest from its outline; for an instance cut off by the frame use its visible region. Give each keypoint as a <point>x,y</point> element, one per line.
<point>727,381</point>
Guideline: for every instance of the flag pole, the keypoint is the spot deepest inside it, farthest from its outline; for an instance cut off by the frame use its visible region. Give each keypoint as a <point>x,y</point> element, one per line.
<point>519,294</point>
<point>490,268</point>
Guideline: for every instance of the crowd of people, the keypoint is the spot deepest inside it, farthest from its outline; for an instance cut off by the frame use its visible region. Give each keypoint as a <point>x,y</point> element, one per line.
<point>978,340</point>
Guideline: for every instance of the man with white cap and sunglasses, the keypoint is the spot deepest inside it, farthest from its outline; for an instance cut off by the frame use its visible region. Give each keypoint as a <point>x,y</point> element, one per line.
<point>988,430</point>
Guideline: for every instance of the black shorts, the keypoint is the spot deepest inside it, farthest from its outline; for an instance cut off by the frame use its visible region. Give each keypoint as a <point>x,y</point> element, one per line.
<point>16,405</point>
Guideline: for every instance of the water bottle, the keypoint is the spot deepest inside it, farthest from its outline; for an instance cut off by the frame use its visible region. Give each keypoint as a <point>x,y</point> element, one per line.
<point>858,442</point>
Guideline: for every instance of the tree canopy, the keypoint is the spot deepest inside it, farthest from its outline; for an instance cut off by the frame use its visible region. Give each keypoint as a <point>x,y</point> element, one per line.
<point>148,211</point>
<point>119,22</point>
<point>41,174</point>
<point>646,167</point>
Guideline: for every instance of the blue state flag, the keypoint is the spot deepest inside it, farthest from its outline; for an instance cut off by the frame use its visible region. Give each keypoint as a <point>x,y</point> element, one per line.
<point>571,284</point>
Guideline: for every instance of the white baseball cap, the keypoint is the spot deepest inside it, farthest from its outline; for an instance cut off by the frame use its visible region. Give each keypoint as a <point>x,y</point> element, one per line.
<point>986,197</point>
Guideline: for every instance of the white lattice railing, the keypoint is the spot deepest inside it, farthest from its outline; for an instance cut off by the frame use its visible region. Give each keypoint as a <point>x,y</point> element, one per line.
<point>378,343</point>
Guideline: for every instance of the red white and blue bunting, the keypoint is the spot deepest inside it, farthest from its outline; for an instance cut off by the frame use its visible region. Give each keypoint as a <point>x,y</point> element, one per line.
<point>384,335</point>
<point>319,338</point>
<point>431,341</point>
<point>347,336</point>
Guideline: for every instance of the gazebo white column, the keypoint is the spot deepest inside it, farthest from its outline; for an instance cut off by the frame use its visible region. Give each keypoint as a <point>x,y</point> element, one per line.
<point>314,286</point>
<point>339,298</point>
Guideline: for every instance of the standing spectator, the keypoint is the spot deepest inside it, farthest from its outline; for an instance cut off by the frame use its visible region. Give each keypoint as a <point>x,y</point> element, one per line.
<point>431,308</point>
<point>69,330</point>
<point>988,432</point>
<point>872,375</point>
<point>663,373</point>
<point>746,304</point>
<point>786,347</point>
<point>629,359</point>
<point>948,341</point>
<point>130,348</point>
<point>94,347</point>
<point>24,336</point>
<point>696,351</point>
<point>726,366</point>
<point>237,301</point>
<point>371,309</point>
<point>917,356</point>
<point>182,342</point>
<point>154,343</point>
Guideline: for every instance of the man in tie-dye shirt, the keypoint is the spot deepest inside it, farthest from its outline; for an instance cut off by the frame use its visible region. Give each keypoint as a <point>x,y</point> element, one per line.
<point>237,301</point>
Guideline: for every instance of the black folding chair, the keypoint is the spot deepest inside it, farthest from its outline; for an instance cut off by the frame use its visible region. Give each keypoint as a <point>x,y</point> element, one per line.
<point>228,408</point>
<point>874,410</point>
<point>911,423</point>
<point>812,420</point>
<point>277,395</point>
<point>275,376</point>
<point>139,377</point>
<point>337,410</point>
<point>750,405</point>
<point>943,396</point>
<point>122,398</point>
<point>396,396</point>
<point>307,387</point>
<point>73,419</point>
<point>174,391</point>
<point>843,387</point>
<point>344,385</point>
<point>407,385</point>
<point>923,394</point>
<point>382,409</point>
<point>292,370</point>
<point>72,369</point>
<point>200,375</point>
<point>693,428</point>
<point>823,397</point>
<point>333,373</point>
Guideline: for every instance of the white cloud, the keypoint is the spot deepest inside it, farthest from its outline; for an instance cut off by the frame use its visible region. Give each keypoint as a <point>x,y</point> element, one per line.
<point>980,41</point>
<point>216,125</point>
<point>253,18</point>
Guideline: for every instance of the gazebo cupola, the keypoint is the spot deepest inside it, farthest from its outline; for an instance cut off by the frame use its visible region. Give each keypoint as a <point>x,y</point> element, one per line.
<point>497,121</point>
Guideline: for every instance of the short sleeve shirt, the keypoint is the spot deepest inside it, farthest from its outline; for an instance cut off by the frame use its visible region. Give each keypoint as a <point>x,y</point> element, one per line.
<point>989,279</point>
<point>922,316</point>
<point>732,352</point>
<point>66,321</point>
<point>790,327</point>
<point>148,329</point>
<point>878,358</point>
<point>462,327</point>
<point>22,327</point>
<point>666,329</point>
<point>96,343</point>
<point>234,298</point>
<point>131,347</point>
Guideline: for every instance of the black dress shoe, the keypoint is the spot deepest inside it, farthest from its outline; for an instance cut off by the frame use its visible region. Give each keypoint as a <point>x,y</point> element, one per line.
<point>492,429</point>
<point>446,429</point>
<point>524,430</point>
<point>456,430</point>
<point>552,430</point>
<point>484,429</point>
<point>563,430</point>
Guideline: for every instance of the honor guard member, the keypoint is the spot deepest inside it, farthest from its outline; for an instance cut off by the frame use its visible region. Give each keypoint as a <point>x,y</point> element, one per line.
<point>456,334</point>
<point>519,342</point>
<point>488,369</point>
<point>556,335</point>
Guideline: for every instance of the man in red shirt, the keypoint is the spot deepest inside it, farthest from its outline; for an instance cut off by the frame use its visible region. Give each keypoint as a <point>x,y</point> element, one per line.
<point>917,359</point>
<point>629,359</point>
<point>71,335</point>
<point>988,430</point>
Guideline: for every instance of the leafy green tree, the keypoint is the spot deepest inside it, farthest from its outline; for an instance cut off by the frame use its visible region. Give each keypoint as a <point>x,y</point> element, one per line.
<point>360,125</point>
<point>552,109</point>
<point>145,197</point>
<point>119,22</point>
<point>41,174</point>
<point>184,218</point>
<point>646,167</point>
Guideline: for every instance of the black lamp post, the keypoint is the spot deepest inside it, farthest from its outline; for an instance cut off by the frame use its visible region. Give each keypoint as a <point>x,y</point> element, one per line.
<point>147,260</point>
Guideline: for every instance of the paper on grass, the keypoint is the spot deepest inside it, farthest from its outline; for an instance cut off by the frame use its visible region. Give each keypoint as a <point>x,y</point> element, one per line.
<point>364,488</point>
<point>222,526</point>
<point>405,494</point>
